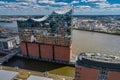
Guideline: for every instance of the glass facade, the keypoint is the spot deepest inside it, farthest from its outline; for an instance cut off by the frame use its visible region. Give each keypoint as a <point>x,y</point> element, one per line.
<point>53,29</point>
<point>5,45</point>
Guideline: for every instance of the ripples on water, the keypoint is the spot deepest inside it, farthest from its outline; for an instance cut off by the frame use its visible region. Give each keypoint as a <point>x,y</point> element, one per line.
<point>84,41</point>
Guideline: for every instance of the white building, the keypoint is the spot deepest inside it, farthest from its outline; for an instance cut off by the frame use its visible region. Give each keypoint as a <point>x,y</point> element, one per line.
<point>7,43</point>
<point>7,75</point>
<point>32,77</point>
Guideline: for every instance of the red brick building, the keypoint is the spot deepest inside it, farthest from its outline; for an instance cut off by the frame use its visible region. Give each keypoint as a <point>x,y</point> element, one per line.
<point>90,66</point>
<point>63,53</point>
<point>46,51</point>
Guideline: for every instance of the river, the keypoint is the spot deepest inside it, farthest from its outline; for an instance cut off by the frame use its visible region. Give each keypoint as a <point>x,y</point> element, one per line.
<point>84,41</point>
<point>10,25</point>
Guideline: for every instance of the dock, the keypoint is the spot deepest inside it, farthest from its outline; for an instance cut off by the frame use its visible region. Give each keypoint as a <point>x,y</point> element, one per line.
<point>17,52</point>
<point>9,55</point>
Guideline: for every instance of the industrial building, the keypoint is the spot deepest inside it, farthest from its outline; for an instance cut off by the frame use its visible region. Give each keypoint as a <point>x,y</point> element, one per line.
<point>96,66</point>
<point>48,37</point>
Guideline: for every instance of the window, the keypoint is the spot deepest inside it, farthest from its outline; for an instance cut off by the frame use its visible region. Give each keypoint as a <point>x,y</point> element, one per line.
<point>0,44</point>
<point>5,45</point>
<point>102,75</point>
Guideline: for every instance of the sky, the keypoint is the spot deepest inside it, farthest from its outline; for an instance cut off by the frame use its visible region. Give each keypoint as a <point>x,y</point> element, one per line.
<point>45,7</point>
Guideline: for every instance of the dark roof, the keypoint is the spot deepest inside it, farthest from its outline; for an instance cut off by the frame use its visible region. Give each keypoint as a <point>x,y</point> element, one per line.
<point>91,62</point>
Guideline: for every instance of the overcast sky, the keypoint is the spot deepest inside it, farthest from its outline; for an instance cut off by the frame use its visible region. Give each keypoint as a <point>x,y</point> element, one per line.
<point>44,7</point>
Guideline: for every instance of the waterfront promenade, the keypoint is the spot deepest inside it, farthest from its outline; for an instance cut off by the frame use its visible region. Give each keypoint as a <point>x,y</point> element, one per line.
<point>24,74</point>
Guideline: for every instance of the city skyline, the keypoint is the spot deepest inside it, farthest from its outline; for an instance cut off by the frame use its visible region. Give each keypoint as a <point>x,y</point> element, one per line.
<point>45,7</point>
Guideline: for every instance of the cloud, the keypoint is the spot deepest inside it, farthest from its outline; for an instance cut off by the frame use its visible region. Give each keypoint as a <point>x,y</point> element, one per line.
<point>94,1</point>
<point>26,0</point>
<point>95,11</point>
<point>75,2</point>
<point>103,5</point>
<point>23,7</point>
<point>46,1</point>
<point>42,7</point>
<point>107,5</point>
<point>83,7</point>
<point>2,2</point>
<point>52,3</point>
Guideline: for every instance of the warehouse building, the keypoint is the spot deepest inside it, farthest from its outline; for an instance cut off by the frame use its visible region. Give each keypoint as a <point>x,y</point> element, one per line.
<point>91,66</point>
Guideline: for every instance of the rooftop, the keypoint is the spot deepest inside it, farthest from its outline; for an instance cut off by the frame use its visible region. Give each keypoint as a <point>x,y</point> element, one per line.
<point>6,38</point>
<point>41,19</point>
<point>100,57</point>
<point>32,77</point>
<point>63,11</point>
<point>7,75</point>
<point>98,61</point>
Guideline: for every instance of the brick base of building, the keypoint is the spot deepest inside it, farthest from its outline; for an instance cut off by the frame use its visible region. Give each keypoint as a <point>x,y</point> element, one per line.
<point>46,51</point>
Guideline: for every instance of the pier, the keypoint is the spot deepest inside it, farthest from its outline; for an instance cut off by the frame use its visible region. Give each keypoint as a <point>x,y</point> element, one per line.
<point>9,55</point>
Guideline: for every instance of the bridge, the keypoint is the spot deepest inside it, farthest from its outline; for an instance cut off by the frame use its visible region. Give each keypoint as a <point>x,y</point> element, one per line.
<point>9,55</point>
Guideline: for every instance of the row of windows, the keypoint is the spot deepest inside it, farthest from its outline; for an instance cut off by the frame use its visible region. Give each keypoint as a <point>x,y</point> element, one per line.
<point>102,75</point>
<point>4,45</point>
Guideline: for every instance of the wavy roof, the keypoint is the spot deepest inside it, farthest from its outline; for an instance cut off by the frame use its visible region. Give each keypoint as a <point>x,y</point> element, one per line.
<point>63,11</point>
<point>40,19</point>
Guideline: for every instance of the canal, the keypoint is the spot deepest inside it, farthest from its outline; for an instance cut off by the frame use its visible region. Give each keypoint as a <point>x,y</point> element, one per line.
<point>41,66</point>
